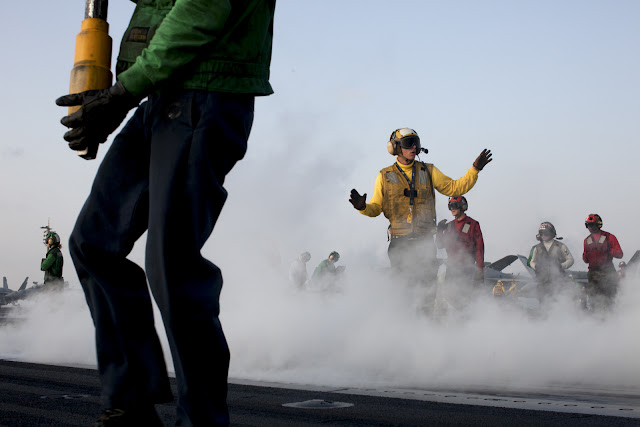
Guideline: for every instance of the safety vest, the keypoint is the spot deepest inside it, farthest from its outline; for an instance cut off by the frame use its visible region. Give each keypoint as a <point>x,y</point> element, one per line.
<point>397,197</point>
<point>598,253</point>
<point>498,290</point>
<point>548,263</point>
<point>460,245</point>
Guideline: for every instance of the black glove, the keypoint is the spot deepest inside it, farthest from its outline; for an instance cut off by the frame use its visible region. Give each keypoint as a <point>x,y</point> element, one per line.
<point>442,225</point>
<point>482,160</point>
<point>359,202</point>
<point>101,112</point>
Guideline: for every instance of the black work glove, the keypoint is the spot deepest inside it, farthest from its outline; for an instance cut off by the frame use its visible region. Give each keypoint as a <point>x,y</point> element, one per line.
<point>359,202</point>
<point>442,225</point>
<point>482,160</point>
<point>101,112</point>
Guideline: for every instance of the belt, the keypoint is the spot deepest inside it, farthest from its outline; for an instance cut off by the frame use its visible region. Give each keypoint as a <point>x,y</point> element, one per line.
<point>410,236</point>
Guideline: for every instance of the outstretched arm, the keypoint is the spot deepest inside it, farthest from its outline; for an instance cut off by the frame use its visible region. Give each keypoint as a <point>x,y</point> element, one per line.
<point>454,187</point>
<point>460,186</point>
<point>374,207</point>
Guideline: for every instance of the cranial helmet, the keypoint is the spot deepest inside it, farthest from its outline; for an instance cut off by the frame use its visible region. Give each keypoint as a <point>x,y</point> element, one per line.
<point>593,219</point>
<point>335,254</point>
<point>305,256</point>
<point>458,203</point>
<point>547,226</point>
<point>54,237</point>
<point>405,138</point>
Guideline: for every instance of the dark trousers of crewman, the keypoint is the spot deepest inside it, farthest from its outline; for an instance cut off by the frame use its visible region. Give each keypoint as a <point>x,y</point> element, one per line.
<point>462,283</point>
<point>413,259</point>
<point>602,287</point>
<point>464,274</point>
<point>163,174</point>
<point>54,284</point>
<point>551,281</point>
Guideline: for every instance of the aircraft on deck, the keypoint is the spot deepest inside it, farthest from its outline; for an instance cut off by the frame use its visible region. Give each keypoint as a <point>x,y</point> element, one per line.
<point>9,296</point>
<point>5,290</point>
<point>493,271</point>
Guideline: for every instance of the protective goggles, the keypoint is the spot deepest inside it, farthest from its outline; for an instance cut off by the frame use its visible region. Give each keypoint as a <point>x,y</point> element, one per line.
<point>455,205</point>
<point>409,141</point>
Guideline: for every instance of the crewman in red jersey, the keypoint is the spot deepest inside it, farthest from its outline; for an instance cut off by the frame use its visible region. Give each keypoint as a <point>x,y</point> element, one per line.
<point>600,248</point>
<point>462,239</point>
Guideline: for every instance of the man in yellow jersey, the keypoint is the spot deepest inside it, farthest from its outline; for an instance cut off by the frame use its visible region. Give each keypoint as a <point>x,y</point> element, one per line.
<point>404,192</point>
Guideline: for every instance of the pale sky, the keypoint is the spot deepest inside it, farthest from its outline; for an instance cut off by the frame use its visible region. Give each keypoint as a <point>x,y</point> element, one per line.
<point>549,86</point>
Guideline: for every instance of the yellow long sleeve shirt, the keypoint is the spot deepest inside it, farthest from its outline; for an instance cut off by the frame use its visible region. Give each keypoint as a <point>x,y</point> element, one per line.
<point>442,183</point>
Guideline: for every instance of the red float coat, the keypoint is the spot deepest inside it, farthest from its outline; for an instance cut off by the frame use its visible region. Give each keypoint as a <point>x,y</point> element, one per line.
<point>464,243</point>
<point>600,249</point>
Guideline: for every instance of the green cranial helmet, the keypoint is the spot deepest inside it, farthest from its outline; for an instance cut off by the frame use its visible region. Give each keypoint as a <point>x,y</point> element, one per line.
<point>53,236</point>
<point>334,254</point>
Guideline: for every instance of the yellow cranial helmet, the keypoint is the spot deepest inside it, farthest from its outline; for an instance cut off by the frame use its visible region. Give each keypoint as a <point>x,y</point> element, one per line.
<point>405,138</point>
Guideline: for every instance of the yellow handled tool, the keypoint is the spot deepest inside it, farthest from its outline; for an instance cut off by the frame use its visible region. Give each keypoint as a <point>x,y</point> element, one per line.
<point>92,60</point>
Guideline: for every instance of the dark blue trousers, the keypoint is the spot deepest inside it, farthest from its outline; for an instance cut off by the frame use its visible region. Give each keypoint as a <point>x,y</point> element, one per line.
<point>163,174</point>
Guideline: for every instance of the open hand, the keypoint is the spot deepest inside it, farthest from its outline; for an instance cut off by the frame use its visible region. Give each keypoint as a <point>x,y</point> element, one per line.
<point>482,160</point>
<point>359,202</point>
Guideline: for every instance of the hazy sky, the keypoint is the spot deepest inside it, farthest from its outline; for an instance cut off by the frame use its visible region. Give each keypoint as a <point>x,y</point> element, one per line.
<point>550,86</point>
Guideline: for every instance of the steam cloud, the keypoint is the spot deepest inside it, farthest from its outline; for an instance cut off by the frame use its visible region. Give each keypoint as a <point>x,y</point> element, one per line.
<point>370,334</point>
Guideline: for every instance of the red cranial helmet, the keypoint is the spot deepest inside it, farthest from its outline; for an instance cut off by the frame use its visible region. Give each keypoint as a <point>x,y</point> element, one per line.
<point>458,203</point>
<point>593,219</point>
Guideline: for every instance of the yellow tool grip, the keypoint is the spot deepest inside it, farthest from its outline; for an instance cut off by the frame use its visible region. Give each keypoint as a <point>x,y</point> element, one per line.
<point>91,65</point>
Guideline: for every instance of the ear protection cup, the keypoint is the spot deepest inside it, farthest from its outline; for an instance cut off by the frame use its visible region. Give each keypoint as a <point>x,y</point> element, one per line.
<point>391,147</point>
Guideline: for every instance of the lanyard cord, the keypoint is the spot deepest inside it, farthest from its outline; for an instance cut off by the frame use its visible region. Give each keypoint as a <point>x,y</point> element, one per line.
<point>410,182</point>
